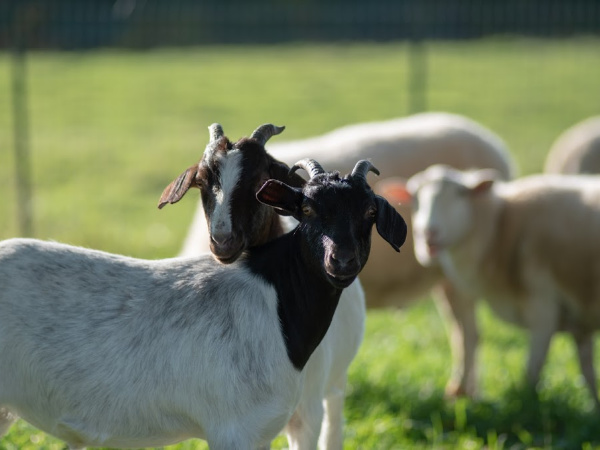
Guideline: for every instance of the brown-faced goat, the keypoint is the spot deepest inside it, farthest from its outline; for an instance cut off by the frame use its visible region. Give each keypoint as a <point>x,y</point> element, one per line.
<point>227,176</point>
<point>105,350</point>
<point>402,147</point>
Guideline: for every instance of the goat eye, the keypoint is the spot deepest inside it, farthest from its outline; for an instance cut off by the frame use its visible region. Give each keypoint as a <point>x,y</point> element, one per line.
<point>372,212</point>
<point>307,211</point>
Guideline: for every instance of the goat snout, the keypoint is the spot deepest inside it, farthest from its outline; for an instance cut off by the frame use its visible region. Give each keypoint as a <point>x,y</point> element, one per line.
<point>342,263</point>
<point>225,247</point>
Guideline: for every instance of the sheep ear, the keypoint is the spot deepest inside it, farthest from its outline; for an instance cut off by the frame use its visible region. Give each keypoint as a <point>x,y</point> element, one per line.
<point>178,187</point>
<point>390,225</point>
<point>482,180</point>
<point>285,199</point>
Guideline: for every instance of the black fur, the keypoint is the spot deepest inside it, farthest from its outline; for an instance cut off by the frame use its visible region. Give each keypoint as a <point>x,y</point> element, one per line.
<point>336,215</point>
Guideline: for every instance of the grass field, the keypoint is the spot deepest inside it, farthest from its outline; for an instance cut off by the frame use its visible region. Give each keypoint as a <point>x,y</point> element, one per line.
<point>110,129</point>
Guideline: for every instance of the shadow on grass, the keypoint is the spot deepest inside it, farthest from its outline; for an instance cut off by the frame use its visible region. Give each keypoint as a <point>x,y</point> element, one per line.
<point>518,419</point>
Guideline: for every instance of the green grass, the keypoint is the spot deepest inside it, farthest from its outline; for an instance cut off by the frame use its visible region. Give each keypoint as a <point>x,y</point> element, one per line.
<point>110,129</point>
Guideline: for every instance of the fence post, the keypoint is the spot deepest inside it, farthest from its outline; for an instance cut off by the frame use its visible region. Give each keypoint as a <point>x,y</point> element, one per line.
<point>417,63</point>
<point>21,121</point>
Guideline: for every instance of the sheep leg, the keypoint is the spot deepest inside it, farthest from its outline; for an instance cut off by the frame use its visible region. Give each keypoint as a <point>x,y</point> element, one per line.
<point>304,427</point>
<point>541,316</point>
<point>332,434</point>
<point>6,420</point>
<point>585,352</point>
<point>458,310</point>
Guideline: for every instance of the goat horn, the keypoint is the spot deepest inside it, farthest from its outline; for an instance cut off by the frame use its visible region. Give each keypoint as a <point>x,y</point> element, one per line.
<point>310,165</point>
<point>263,133</point>
<point>363,167</point>
<point>215,131</point>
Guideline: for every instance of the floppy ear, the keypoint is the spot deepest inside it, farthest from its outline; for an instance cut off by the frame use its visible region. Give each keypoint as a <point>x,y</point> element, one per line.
<point>390,225</point>
<point>285,199</point>
<point>178,187</point>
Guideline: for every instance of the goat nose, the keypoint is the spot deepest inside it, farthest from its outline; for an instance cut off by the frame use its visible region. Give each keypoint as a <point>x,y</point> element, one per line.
<point>221,238</point>
<point>343,257</point>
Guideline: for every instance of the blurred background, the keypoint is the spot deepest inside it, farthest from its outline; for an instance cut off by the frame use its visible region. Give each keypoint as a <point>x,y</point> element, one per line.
<point>104,102</point>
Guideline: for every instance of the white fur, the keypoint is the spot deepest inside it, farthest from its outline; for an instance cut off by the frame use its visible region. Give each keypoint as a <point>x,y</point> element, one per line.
<point>105,350</point>
<point>230,172</point>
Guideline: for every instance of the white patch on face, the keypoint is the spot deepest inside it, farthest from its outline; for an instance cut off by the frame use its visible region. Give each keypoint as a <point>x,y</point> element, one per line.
<point>230,170</point>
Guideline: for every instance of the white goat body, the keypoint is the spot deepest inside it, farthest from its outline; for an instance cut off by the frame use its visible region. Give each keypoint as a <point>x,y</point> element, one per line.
<point>529,247</point>
<point>105,350</point>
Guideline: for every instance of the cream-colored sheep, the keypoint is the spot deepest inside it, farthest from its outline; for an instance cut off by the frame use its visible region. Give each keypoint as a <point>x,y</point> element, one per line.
<point>530,247</point>
<point>577,150</point>
<point>402,147</point>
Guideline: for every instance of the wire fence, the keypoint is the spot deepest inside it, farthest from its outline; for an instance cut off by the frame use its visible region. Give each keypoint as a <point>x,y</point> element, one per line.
<point>75,25</point>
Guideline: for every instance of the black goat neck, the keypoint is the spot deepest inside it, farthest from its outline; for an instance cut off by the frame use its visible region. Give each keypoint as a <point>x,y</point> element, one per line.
<point>306,301</point>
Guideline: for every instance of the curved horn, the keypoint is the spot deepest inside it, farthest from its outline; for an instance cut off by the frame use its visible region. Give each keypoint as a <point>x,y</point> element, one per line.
<point>363,167</point>
<point>263,133</point>
<point>310,165</point>
<point>215,131</point>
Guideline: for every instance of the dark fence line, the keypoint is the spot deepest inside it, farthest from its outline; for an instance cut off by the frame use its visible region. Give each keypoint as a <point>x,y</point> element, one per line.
<point>82,24</point>
<point>140,24</point>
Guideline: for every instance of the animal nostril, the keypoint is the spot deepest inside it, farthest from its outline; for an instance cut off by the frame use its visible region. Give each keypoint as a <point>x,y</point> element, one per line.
<point>343,258</point>
<point>221,238</point>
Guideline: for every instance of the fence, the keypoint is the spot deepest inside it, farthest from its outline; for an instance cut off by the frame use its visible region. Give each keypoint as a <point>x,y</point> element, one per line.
<point>74,25</point>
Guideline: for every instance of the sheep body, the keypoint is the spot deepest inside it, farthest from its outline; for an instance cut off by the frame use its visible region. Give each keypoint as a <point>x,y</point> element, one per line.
<point>401,148</point>
<point>528,246</point>
<point>577,150</point>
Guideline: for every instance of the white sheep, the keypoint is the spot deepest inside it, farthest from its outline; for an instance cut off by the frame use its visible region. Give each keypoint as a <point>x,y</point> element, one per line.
<point>530,247</point>
<point>577,150</point>
<point>230,173</point>
<point>401,147</point>
<point>105,350</point>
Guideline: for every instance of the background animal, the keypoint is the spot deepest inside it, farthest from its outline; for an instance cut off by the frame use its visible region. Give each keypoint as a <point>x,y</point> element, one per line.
<point>401,147</point>
<point>529,247</point>
<point>576,150</point>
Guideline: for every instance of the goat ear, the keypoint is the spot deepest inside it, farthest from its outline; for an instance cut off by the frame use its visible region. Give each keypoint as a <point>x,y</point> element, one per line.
<point>178,187</point>
<point>390,225</point>
<point>285,199</point>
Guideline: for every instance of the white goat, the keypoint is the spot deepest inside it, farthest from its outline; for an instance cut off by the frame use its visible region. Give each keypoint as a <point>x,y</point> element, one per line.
<point>530,247</point>
<point>239,221</point>
<point>402,147</point>
<point>577,150</point>
<point>101,349</point>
